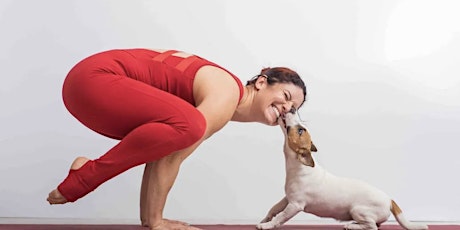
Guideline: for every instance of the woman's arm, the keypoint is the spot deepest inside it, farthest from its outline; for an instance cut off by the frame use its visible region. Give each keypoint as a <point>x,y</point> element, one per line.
<point>216,94</point>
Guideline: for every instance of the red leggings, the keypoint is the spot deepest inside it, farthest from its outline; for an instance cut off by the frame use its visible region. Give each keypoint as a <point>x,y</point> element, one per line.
<point>151,123</point>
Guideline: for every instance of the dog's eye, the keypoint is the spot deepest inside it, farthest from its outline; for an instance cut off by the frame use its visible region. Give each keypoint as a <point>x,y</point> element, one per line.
<point>300,131</point>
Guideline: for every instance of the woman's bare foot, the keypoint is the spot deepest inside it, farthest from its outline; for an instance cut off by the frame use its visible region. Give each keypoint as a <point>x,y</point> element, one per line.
<point>55,197</point>
<point>173,225</point>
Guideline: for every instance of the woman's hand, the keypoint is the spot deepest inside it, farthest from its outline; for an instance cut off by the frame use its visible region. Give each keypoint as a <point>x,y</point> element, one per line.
<point>173,224</point>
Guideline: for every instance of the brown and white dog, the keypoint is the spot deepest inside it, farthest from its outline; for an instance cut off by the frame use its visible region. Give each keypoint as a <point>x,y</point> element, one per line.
<point>312,189</point>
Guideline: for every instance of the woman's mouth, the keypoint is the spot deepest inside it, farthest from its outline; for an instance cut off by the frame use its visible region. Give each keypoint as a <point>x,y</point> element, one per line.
<point>283,118</point>
<point>277,113</point>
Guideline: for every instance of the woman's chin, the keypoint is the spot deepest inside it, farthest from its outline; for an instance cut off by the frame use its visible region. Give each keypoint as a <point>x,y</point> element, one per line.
<point>271,122</point>
<point>271,119</point>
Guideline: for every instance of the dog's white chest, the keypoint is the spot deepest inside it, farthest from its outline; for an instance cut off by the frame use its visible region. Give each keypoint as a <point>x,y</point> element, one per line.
<point>317,192</point>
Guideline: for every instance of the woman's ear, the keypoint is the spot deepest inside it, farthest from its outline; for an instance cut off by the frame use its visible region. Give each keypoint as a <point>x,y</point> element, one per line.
<point>260,82</point>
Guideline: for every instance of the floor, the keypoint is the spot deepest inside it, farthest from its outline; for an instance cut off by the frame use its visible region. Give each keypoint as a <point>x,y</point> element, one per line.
<point>204,227</point>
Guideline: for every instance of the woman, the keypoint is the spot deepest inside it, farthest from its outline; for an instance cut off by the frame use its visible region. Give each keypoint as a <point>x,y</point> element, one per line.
<point>161,105</point>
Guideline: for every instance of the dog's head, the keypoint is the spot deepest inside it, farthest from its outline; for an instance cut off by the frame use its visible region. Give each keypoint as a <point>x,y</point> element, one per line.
<point>298,138</point>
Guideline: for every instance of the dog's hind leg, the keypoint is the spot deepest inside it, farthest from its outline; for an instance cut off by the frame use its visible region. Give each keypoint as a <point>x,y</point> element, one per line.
<point>363,220</point>
<point>357,226</point>
<point>277,208</point>
<point>282,217</point>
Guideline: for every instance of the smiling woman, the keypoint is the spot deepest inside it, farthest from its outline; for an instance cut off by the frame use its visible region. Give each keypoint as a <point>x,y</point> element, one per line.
<point>161,105</point>
<point>279,98</point>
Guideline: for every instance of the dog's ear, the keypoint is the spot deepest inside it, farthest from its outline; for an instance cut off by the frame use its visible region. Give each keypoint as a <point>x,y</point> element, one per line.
<point>305,158</point>
<point>313,148</point>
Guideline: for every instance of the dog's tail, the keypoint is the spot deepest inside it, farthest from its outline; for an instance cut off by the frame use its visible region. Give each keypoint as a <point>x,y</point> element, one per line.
<point>397,212</point>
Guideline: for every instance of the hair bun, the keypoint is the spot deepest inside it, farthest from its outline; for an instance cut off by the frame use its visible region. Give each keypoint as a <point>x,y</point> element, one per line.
<point>264,70</point>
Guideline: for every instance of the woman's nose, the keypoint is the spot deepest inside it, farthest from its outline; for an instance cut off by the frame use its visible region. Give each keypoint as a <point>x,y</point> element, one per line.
<point>288,107</point>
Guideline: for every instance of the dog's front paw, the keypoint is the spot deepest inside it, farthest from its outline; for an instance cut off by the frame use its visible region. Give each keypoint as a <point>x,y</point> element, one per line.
<point>267,225</point>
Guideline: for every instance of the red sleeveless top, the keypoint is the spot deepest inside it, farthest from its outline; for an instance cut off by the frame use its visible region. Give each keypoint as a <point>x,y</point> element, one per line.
<point>170,73</point>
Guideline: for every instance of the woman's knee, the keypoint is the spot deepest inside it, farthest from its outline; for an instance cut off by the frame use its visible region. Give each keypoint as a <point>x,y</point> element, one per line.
<point>196,127</point>
<point>180,132</point>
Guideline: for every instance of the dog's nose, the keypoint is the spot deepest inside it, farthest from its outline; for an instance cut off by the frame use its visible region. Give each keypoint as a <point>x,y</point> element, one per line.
<point>292,110</point>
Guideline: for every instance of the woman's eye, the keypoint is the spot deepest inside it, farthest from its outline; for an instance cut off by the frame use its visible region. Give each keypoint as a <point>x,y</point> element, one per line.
<point>286,96</point>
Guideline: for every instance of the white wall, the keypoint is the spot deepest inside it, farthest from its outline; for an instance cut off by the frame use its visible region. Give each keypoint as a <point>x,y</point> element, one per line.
<point>383,106</point>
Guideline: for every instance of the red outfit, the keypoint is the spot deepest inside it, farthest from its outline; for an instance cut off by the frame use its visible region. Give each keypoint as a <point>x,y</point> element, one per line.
<point>139,96</point>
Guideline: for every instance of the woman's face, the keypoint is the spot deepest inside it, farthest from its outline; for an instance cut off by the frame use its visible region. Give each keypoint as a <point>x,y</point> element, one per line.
<point>272,101</point>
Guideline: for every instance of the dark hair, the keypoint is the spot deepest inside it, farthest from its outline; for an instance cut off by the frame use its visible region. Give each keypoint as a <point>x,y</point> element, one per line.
<point>281,75</point>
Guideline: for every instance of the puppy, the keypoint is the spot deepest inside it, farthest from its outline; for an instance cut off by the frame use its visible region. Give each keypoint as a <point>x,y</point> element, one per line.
<point>312,189</point>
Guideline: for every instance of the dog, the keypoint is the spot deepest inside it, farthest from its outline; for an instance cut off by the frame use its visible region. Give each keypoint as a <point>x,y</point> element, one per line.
<point>312,189</point>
